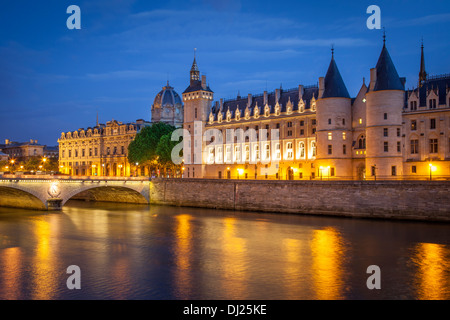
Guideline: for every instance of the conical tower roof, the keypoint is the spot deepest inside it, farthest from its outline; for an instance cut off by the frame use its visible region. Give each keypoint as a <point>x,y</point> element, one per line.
<point>334,85</point>
<point>387,76</point>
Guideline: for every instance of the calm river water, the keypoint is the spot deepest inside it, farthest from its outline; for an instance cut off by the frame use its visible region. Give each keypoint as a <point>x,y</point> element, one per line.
<point>142,252</point>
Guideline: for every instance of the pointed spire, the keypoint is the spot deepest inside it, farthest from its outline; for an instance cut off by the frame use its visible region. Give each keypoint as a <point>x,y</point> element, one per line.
<point>387,76</point>
<point>97,118</point>
<point>422,72</point>
<point>334,85</point>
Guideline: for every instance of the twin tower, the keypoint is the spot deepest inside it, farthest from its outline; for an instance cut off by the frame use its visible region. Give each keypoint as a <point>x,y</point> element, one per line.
<point>372,122</point>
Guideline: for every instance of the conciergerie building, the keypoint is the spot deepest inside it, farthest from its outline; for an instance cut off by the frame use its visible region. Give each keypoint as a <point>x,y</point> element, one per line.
<point>320,131</point>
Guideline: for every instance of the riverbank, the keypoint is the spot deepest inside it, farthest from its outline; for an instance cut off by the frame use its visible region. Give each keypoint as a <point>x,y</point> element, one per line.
<point>406,200</point>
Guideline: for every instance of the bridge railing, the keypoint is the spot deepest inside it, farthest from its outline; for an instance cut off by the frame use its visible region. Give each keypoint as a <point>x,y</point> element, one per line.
<point>69,178</point>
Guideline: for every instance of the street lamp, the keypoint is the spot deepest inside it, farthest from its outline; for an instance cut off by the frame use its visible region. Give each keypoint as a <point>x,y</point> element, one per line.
<point>12,165</point>
<point>432,168</point>
<point>240,171</point>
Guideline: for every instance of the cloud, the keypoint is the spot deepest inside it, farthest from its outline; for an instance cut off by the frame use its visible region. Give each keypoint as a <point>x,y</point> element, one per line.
<point>425,20</point>
<point>123,75</point>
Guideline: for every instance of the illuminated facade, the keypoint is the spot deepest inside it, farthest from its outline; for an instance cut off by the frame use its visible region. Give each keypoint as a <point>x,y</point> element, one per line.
<point>98,151</point>
<point>385,132</point>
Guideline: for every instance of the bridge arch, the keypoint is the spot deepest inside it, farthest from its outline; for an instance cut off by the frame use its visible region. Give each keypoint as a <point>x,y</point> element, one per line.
<point>123,194</point>
<point>15,197</point>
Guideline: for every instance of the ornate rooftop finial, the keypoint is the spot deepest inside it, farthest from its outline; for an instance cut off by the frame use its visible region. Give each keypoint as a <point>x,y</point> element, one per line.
<point>422,72</point>
<point>384,37</point>
<point>332,51</point>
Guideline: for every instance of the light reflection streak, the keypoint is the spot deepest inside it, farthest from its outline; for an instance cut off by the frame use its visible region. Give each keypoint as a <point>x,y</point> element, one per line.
<point>44,279</point>
<point>234,261</point>
<point>11,272</point>
<point>432,277</point>
<point>183,252</point>
<point>327,253</point>
<point>294,267</point>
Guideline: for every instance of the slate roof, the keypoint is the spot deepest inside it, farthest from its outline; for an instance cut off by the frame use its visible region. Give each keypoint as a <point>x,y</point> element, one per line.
<point>334,85</point>
<point>439,83</point>
<point>387,76</point>
<point>285,96</point>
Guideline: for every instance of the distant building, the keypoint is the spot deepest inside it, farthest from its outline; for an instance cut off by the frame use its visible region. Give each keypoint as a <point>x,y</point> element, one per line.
<point>385,132</point>
<point>21,151</point>
<point>98,151</point>
<point>3,156</point>
<point>167,107</point>
<point>51,152</point>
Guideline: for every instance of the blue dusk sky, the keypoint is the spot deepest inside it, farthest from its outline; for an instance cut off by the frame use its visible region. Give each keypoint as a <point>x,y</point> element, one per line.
<point>53,79</point>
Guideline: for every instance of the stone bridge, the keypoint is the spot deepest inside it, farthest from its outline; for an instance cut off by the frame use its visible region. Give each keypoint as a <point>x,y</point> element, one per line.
<point>52,192</point>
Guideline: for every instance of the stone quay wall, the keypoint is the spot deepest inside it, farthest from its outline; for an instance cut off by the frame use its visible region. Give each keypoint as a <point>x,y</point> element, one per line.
<point>410,200</point>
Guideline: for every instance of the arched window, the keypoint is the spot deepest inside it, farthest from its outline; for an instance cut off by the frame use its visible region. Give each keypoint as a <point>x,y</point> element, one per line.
<point>362,142</point>
<point>313,148</point>
<point>301,147</point>
<point>267,153</point>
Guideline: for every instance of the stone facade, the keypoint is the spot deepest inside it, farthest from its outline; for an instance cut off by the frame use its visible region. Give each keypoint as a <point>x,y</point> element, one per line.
<point>99,151</point>
<point>411,200</point>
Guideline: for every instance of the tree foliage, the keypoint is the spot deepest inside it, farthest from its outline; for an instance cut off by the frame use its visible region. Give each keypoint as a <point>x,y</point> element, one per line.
<point>143,149</point>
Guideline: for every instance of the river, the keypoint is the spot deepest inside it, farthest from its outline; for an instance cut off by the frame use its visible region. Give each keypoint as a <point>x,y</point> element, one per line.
<point>154,252</point>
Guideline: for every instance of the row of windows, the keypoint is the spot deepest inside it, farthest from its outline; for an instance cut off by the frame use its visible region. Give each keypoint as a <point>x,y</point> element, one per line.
<point>432,104</point>
<point>236,156</point>
<point>93,152</point>
<point>432,124</point>
<point>432,143</point>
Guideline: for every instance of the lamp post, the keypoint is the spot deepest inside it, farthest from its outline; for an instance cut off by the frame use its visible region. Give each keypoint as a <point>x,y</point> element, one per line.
<point>432,168</point>
<point>240,171</point>
<point>44,160</point>
<point>12,165</point>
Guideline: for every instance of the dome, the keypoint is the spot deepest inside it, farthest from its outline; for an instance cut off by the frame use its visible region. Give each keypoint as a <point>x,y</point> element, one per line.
<point>167,97</point>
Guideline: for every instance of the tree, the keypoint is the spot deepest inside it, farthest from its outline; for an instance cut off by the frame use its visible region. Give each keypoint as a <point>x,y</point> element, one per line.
<point>142,149</point>
<point>164,153</point>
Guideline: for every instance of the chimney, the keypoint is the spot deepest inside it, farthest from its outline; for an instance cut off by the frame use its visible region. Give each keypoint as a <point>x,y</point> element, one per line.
<point>300,92</point>
<point>277,95</point>
<point>31,141</point>
<point>249,100</point>
<point>204,82</point>
<point>321,87</point>
<point>6,141</point>
<point>266,101</point>
<point>373,78</point>
<point>221,103</point>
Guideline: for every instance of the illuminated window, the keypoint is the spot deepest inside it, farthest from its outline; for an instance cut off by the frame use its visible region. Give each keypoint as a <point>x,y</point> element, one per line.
<point>360,120</point>
<point>247,153</point>
<point>302,149</point>
<point>330,136</point>
<point>237,153</point>
<point>344,135</point>
<point>289,150</point>
<point>313,148</point>
<point>277,151</point>
<point>267,148</point>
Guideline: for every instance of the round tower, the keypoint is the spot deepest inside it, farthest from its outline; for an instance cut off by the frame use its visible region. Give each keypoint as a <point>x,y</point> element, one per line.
<point>334,133</point>
<point>384,105</point>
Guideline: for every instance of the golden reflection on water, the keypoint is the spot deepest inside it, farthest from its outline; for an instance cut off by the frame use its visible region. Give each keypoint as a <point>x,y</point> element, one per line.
<point>327,250</point>
<point>234,261</point>
<point>11,273</point>
<point>183,254</point>
<point>43,275</point>
<point>432,278</point>
<point>294,267</point>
